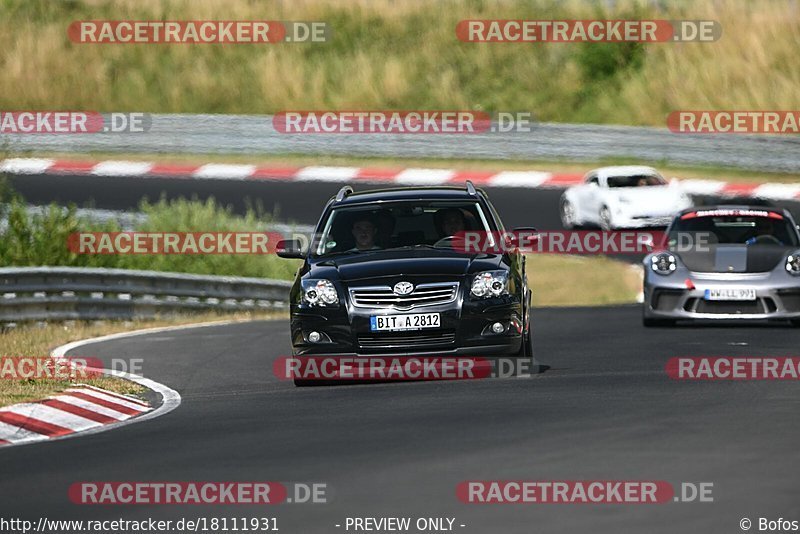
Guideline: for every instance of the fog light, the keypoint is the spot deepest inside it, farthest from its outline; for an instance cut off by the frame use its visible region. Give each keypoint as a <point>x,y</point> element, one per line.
<point>498,328</point>
<point>314,337</point>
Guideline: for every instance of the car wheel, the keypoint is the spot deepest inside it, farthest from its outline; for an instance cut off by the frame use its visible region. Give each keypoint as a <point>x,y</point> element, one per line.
<point>567,215</point>
<point>524,362</point>
<point>649,322</point>
<point>795,322</point>
<point>605,218</point>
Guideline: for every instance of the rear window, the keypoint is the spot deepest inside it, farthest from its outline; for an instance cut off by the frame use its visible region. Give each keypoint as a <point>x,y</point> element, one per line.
<point>750,228</point>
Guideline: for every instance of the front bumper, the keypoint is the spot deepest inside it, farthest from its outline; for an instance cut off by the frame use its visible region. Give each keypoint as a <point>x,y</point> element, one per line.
<point>672,299</point>
<point>462,331</point>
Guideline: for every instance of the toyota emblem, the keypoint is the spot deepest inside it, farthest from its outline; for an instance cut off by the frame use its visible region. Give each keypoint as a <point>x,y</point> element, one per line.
<point>403,288</point>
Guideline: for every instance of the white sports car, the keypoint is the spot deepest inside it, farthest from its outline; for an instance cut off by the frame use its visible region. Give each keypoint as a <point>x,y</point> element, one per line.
<point>631,196</point>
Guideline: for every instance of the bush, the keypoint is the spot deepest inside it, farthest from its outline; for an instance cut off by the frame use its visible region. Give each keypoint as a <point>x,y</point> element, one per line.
<point>33,239</point>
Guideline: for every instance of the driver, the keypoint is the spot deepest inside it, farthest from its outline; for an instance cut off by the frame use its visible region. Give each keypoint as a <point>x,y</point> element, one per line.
<point>764,232</point>
<point>364,232</point>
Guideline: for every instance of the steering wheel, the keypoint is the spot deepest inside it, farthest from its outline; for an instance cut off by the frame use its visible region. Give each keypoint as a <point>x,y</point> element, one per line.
<point>446,241</point>
<point>766,240</point>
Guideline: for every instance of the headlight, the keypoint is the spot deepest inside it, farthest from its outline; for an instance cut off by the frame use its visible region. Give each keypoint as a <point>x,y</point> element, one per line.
<point>793,263</point>
<point>490,284</point>
<point>663,263</point>
<point>319,293</point>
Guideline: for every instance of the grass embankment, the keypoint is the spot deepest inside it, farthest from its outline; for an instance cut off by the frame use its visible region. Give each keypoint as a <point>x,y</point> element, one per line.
<point>386,54</point>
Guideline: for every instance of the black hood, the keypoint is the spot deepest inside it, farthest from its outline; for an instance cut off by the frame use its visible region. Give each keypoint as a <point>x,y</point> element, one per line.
<point>735,258</point>
<point>410,264</point>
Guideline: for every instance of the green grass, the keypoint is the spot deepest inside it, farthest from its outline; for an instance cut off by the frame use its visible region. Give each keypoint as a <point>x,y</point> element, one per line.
<point>389,54</point>
<point>558,280</point>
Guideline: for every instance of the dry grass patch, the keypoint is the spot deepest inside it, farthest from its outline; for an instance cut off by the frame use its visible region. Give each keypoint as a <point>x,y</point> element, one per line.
<point>559,280</point>
<point>33,341</point>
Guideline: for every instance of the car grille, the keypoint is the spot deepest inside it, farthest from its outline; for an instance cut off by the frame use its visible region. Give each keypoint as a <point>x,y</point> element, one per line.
<point>666,299</point>
<point>790,299</point>
<point>412,339</point>
<point>760,305</point>
<point>422,295</point>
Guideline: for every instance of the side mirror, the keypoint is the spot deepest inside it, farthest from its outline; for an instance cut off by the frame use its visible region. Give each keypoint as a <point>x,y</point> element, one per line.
<point>290,248</point>
<point>523,238</point>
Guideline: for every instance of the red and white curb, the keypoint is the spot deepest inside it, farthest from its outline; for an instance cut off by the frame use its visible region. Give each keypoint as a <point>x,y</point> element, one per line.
<point>409,176</point>
<point>225,171</point>
<point>49,421</point>
<point>77,409</point>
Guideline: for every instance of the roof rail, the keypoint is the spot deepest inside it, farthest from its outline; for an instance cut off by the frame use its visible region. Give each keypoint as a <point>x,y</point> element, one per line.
<point>471,189</point>
<point>343,192</point>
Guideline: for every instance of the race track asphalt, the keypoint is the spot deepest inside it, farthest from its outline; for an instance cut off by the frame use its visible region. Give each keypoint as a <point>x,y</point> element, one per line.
<point>604,410</point>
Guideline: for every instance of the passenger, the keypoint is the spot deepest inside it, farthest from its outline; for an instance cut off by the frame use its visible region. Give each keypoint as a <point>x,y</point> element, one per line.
<point>451,221</point>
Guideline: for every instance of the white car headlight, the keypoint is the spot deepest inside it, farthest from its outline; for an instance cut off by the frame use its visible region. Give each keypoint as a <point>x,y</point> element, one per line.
<point>490,284</point>
<point>319,293</point>
<point>793,263</point>
<point>663,263</point>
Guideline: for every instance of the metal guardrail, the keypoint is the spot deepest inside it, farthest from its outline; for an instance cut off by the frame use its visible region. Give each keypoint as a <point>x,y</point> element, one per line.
<point>255,134</point>
<point>72,293</point>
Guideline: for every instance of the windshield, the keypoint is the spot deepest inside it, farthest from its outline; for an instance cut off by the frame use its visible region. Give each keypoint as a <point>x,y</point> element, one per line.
<point>635,180</point>
<point>746,227</point>
<point>354,229</point>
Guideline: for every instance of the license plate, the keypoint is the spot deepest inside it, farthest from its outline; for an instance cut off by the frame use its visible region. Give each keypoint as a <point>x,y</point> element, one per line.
<point>730,294</point>
<point>394,323</point>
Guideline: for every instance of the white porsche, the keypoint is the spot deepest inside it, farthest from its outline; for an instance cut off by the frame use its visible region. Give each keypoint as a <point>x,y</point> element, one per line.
<point>630,196</point>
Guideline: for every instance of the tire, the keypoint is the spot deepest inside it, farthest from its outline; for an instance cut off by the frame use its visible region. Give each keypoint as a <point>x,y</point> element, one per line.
<point>567,213</point>
<point>605,219</point>
<point>524,362</point>
<point>795,322</point>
